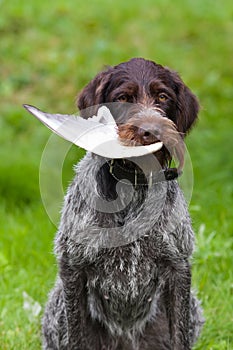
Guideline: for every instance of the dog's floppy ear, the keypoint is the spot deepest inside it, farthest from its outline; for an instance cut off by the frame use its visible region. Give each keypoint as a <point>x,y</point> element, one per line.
<point>94,93</point>
<point>187,106</point>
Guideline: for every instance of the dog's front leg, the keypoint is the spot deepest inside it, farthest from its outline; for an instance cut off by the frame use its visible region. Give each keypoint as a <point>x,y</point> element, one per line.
<point>81,335</point>
<point>178,304</point>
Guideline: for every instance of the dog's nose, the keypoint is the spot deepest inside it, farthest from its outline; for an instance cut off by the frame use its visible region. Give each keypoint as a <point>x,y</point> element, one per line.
<point>148,134</point>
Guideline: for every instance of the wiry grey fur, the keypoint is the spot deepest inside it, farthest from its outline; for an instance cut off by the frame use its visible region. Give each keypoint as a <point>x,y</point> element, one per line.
<point>122,286</point>
<point>123,249</point>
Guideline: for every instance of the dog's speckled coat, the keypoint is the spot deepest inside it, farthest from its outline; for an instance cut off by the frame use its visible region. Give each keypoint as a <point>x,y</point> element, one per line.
<point>124,273</point>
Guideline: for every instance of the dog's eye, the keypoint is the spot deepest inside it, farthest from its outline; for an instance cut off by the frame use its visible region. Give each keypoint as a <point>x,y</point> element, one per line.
<point>162,97</point>
<point>122,98</point>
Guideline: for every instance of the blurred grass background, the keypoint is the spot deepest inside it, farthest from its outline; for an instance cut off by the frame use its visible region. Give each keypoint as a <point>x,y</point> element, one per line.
<point>48,52</point>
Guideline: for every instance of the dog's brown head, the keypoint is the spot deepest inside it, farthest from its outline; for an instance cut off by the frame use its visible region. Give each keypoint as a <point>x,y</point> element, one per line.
<point>150,90</point>
<point>144,82</point>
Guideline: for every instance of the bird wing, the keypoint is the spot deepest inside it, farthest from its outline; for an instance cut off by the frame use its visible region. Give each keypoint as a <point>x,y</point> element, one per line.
<point>97,134</point>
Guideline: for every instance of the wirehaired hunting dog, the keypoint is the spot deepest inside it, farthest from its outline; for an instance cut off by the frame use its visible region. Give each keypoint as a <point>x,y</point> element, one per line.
<point>125,236</point>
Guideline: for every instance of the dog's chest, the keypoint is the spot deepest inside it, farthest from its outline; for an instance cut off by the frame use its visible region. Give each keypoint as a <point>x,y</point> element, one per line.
<point>122,287</point>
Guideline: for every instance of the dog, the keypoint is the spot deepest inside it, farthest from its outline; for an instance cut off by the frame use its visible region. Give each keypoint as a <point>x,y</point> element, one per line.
<point>125,238</point>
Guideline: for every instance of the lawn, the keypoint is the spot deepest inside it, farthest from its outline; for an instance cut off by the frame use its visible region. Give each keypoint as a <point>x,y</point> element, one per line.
<point>48,52</point>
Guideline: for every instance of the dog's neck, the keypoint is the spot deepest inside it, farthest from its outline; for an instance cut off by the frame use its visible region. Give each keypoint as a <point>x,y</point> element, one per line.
<point>108,203</point>
<point>141,176</point>
<point>122,169</point>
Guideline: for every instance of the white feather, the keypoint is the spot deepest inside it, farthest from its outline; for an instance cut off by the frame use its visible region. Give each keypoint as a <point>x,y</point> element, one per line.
<point>97,134</point>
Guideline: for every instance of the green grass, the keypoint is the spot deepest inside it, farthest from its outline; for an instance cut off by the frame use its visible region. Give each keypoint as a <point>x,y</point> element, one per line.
<point>48,51</point>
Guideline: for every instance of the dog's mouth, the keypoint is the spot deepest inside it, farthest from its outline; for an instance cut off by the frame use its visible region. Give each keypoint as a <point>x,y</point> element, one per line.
<point>149,127</point>
<point>132,135</point>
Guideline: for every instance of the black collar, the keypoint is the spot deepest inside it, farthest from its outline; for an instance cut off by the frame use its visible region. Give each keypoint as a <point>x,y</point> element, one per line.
<point>120,170</point>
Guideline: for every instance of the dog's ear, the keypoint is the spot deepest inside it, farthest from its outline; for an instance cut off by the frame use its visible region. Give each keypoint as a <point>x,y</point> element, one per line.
<point>94,93</point>
<point>187,106</point>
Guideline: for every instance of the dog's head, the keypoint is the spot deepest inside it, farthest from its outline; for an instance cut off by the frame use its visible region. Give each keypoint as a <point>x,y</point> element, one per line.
<point>144,82</point>
<point>159,106</point>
